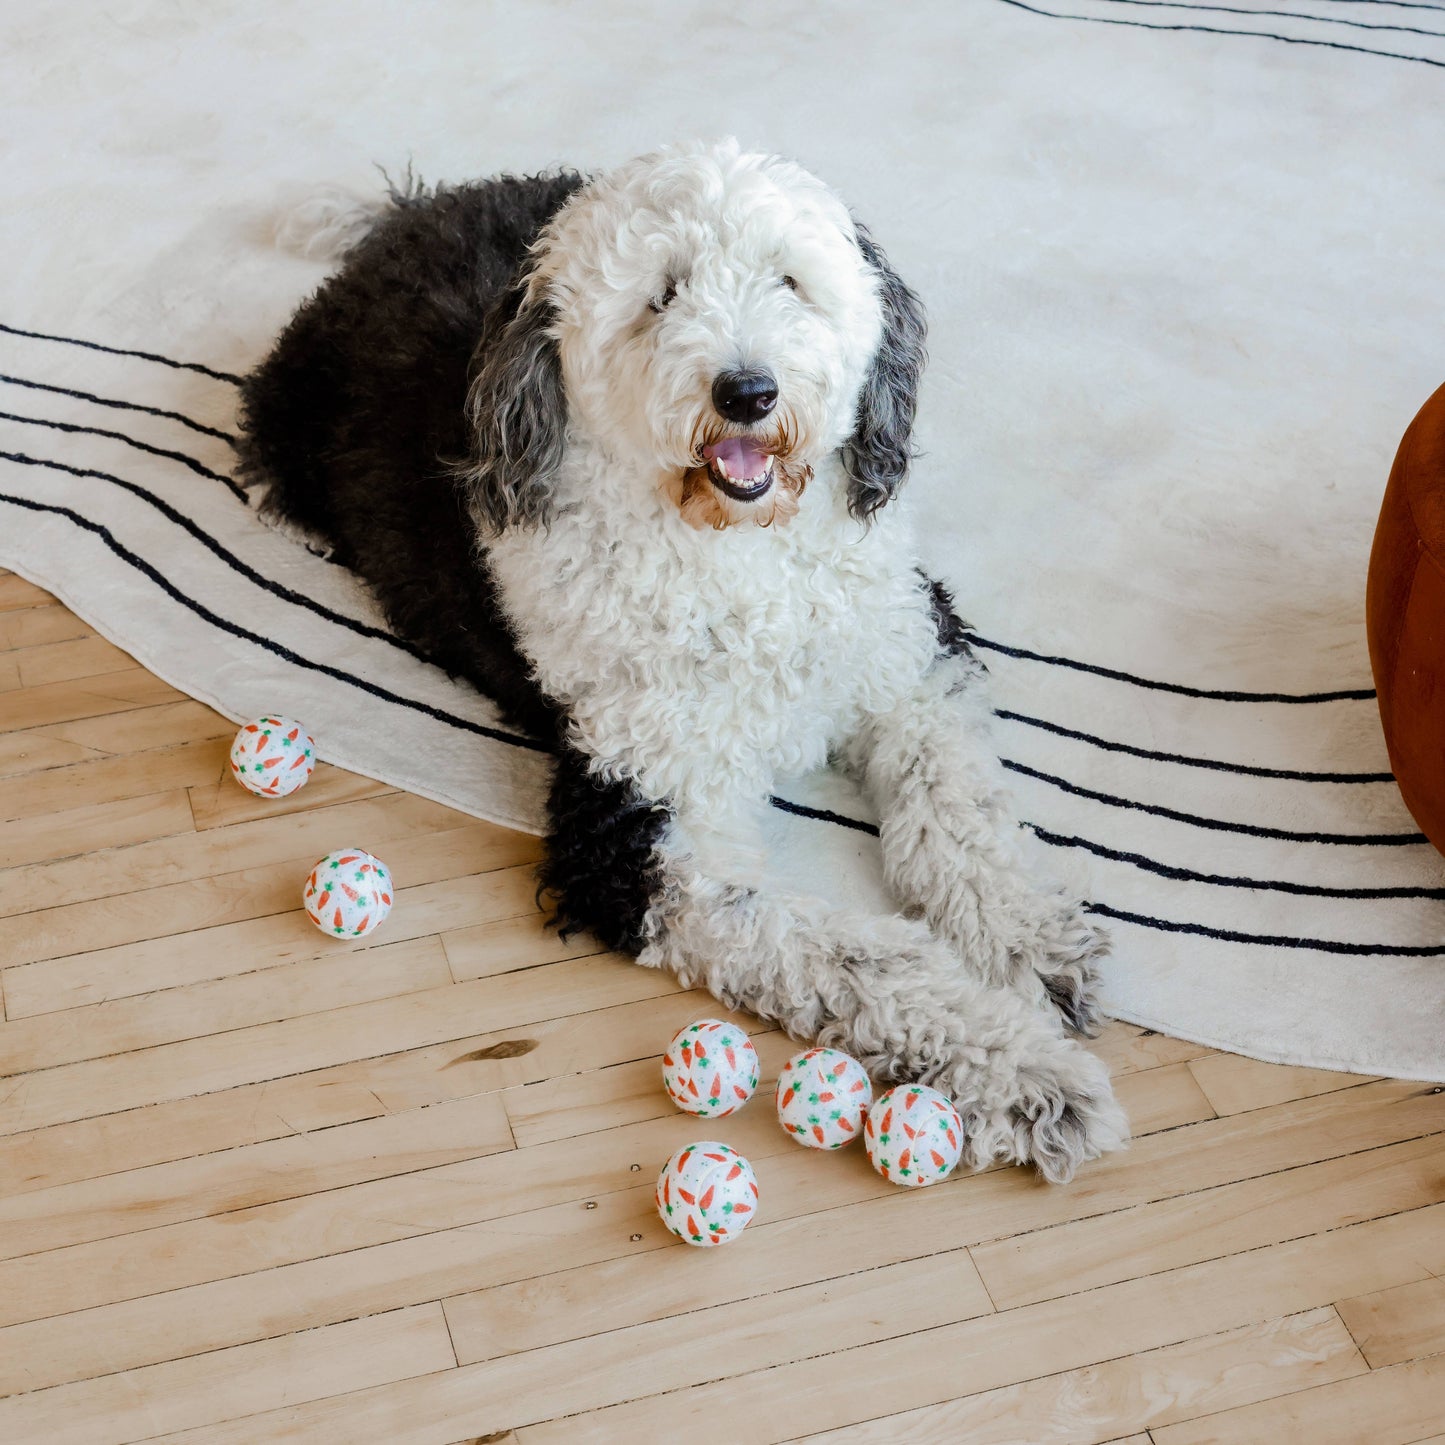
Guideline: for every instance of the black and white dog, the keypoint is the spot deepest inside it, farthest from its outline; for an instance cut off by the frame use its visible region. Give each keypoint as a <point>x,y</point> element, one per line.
<point>620,451</point>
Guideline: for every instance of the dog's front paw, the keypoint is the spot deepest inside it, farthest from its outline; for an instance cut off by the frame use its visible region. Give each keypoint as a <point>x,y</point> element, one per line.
<point>1059,1113</point>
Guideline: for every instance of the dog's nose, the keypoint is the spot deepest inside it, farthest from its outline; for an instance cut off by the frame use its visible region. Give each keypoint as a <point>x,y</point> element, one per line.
<point>744,396</point>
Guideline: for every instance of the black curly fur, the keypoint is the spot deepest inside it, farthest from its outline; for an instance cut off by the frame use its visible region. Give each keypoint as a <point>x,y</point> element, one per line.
<point>601,868</point>
<point>358,418</point>
<point>952,631</point>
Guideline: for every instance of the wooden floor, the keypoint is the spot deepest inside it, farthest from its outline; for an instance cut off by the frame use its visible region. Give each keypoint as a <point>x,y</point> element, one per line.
<point>257,1185</point>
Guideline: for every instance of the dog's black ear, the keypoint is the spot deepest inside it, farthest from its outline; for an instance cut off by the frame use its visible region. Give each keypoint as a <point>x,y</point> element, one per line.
<point>518,413</point>
<point>876,456</point>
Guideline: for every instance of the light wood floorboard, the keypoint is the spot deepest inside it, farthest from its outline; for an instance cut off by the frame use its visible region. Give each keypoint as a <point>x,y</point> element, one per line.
<point>256,1185</point>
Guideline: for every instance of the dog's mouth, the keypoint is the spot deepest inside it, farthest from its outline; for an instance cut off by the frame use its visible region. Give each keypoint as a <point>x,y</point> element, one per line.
<point>739,468</point>
<point>751,480</point>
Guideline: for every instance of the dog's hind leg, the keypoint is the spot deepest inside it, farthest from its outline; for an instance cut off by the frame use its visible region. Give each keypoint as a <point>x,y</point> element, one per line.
<point>887,991</point>
<point>951,845</point>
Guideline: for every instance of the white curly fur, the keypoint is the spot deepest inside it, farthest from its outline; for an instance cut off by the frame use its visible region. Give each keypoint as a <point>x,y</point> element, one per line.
<point>723,229</point>
<point>328,224</point>
<point>951,844</point>
<point>701,665</point>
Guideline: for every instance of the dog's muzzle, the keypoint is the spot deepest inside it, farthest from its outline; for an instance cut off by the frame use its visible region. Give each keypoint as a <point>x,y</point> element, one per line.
<point>739,468</point>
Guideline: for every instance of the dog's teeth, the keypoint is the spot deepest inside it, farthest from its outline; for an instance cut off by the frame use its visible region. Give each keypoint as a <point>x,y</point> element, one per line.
<point>724,473</point>
<point>727,473</point>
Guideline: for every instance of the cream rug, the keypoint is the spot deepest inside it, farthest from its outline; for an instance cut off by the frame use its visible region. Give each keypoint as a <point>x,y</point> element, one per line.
<point>1184,270</point>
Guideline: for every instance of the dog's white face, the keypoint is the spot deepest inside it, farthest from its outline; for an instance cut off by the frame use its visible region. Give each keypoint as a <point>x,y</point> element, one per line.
<point>715,319</point>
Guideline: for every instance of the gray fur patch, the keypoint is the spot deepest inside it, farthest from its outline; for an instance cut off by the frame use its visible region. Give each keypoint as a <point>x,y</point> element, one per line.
<point>877,455</point>
<point>517,409</point>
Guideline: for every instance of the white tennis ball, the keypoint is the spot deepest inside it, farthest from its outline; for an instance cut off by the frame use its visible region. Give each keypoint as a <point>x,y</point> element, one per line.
<point>822,1097</point>
<point>272,756</point>
<point>707,1193</point>
<point>913,1135</point>
<point>348,893</point>
<point>710,1068</point>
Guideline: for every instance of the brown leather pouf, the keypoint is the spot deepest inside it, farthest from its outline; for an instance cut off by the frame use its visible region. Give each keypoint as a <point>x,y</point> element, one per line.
<point>1405,617</point>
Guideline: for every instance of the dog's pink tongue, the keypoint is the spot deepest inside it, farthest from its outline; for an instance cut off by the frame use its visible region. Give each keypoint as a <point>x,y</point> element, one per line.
<point>743,458</point>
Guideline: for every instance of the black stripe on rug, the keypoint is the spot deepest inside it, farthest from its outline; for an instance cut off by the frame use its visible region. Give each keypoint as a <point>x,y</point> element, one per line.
<point>1271,940</point>
<point>1253,830</point>
<point>824,815</point>
<point>1222,30</point>
<point>200,468</point>
<point>1209,8</point>
<point>1291,775</point>
<point>155,356</point>
<point>196,426</point>
<point>1391,4</point>
<point>1354,694</point>
<point>1219,880</point>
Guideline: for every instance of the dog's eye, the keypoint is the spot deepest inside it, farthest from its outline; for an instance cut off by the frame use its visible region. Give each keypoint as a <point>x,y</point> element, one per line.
<point>660,303</point>
<point>791,284</point>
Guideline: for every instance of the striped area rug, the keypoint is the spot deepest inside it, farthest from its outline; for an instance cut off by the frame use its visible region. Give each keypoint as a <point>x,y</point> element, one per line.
<point>1180,265</point>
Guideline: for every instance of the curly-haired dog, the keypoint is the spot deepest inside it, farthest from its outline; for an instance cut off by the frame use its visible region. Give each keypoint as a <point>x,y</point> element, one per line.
<point>621,452</point>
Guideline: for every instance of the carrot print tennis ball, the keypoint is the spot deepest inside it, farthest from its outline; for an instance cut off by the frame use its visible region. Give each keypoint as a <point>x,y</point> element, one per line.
<point>710,1068</point>
<point>348,893</point>
<point>707,1193</point>
<point>272,756</point>
<point>913,1135</point>
<point>823,1097</point>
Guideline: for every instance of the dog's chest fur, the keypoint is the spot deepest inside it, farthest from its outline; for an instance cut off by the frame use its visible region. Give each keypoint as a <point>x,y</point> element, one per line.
<point>703,665</point>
